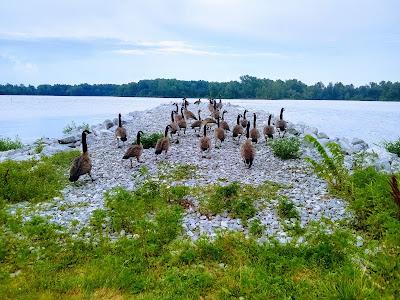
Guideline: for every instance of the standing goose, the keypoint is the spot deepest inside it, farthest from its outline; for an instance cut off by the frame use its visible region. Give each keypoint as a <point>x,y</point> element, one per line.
<point>188,114</point>
<point>269,130</point>
<point>120,132</point>
<point>205,142</point>
<point>281,124</point>
<point>211,105</point>
<point>178,117</point>
<point>254,133</point>
<point>182,123</point>
<point>197,124</point>
<point>238,129</point>
<point>219,105</point>
<point>219,134</point>
<point>173,125</point>
<point>185,102</point>
<point>247,150</point>
<point>224,124</point>
<point>134,150</point>
<point>163,143</point>
<point>81,165</point>
<point>215,113</point>
<point>244,120</point>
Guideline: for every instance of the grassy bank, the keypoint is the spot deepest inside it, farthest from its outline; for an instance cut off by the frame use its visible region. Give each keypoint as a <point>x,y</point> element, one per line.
<point>151,259</point>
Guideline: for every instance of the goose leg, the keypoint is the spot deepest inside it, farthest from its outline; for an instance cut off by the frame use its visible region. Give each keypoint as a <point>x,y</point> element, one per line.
<point>90,175</point>
<point>131,163</point>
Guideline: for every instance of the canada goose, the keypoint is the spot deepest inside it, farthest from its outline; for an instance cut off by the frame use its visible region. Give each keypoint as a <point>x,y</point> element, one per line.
<point>244,120</point>
<point>198,102</point>
<point>215,113</point>
<point>205,142</point>
<point>219,105</point>
<point>163,143</point>
<point>197,124</point>
<point>247,150</point>
<point>238,129</point>
<point>120,132</point>
<point>188,114</point>
<point>185,102</point>
<point>281,124</point>
<point>224,124</point>
<point>269,130</point>
<point>211,105</point>
<point>82,164</point>
<point>219,134</point>
<point>254,133</point>
<point>134,150</point>
<point>173,125</point>
<point>178,117</point>
<point>182,123</point>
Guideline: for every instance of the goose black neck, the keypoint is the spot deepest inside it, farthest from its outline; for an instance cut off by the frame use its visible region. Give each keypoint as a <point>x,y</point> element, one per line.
<point>119,120</point>
<point>223,115</point>
<point>281,115</point>
<point>182,111</point>
<point>215,104</point>
<point>269,120</point>
<point>238,119</point>
<point>244,114</point>
<point>254,121</point>
<point>199,115</point>
<point>218,122</point>
<point>176,107</point>
<point>84,143</point>
<point>172,116</point>
<point>138,138</point>
<point>166,131</point>
<point>205,130</point>
<point>248,130</point>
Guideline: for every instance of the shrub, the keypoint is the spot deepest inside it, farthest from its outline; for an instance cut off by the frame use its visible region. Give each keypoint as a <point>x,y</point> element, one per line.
<point>286,209</point>
<point>286,148</point>
<point>331,167</point>
<point>393,147</point>
<point>9,144</point>
<point>256,228</point>
<point>149,140</point>
<point>72,127</point>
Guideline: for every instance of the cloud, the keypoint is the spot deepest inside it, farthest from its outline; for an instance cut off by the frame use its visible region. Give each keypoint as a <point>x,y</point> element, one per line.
<point>19,64</point>
<point>185,48</point>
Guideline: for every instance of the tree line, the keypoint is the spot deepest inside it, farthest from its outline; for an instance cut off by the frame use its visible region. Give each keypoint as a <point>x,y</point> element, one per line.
<point>248,87</point>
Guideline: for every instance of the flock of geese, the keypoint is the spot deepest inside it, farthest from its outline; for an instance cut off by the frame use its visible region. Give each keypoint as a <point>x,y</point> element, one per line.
<point>179,122</point>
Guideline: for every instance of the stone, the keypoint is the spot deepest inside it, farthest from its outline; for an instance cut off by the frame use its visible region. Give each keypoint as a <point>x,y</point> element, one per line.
<point>68,139</point>
<point>108,124</point>
<point>322,135</point>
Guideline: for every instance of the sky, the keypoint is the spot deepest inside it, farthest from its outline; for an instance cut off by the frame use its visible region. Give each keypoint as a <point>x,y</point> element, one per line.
<point>120,41</point>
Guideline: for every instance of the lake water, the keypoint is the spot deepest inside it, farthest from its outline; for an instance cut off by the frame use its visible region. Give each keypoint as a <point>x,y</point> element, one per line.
<point>32,117</point>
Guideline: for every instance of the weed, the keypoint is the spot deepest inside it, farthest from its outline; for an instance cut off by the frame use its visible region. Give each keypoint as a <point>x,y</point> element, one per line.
<point>393,147</point>
<point>287,209</point>
<point>149,140</point>
<point>331,168</point>
<point>74,127</point>
<point>176,172</point>
<point>256,228</point>
<point>286,148</point>
<point>9,144</point>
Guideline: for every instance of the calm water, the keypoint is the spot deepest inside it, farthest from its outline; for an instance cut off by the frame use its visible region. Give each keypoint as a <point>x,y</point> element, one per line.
<point>32,117</point>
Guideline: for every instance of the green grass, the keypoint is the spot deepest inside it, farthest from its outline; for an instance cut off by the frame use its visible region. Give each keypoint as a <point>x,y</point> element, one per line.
<point>286,209</point>
<point>286,148</point>
<point>149,140</point>
<point>9,144</point>
<point>176,172</point>
<point>393,147</point>
<point>34,180</point>
<point>238,199</point>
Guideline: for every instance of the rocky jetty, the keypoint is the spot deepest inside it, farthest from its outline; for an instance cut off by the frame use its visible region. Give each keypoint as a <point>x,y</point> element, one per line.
<point>307,192</point>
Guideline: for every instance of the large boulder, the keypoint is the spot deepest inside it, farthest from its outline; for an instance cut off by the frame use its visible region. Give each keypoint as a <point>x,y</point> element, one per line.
<point>69,139</point>
<point>108,124</point>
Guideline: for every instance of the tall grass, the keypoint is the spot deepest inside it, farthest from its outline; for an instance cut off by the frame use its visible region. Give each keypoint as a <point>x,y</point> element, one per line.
<point>9,144</point>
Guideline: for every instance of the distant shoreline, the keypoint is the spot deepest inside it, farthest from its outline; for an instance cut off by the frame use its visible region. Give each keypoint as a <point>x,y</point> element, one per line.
<point>248,87</point>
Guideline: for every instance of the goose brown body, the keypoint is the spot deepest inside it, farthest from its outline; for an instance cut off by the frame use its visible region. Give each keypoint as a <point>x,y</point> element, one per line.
<point>224,124</point>
<point>197,124</point>
<point>182,123</point>
<point>188,114</point>
<point>163,143</point>
<point>244,120</point>
<point>247,150</point>
<point>134,151</point>
<point>254,133</point>
<point>174,128</point>
<point>177,116</point>
<point>120,132</point>
<point>238,129</point>
<point>269,130</point>
<point>281,123</point>
<point>81,165</point>
<point>205,142</point>
<point>219,133</point>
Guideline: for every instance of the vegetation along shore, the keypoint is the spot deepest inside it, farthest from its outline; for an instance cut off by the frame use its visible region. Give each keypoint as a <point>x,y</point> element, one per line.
<point>248,87</point>
<point>204,200</point>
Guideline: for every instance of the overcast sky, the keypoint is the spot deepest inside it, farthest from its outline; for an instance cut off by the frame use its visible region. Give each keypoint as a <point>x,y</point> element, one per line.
<point>75,41</point>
